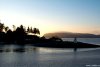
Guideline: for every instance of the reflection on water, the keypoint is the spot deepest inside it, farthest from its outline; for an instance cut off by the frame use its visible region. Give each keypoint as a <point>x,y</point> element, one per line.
<point>29,56</point>
<point>29,48</point>
<point>16,48</point>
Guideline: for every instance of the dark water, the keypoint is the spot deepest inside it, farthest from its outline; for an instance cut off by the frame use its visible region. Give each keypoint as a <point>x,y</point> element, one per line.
<point>48,57</point>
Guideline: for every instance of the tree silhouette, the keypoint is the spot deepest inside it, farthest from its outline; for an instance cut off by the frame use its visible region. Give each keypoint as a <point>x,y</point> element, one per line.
<point>9,32</point>
<point>55,38</point>
<point>14,27</point>
<point>28,29</point>
<point>9,36</point>
<point>36,31</point>
<point>33,30</point>
<point>6,29</point>
<point>1,27</point>
<point>21,30</point>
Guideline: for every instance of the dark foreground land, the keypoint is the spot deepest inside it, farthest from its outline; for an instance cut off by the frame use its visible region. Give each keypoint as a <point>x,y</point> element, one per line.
<point>53,44</point>
<point>66,44</point>
<point>58,44</point>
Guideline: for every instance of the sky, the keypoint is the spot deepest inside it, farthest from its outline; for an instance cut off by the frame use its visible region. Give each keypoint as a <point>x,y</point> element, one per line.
<point>79,16</point>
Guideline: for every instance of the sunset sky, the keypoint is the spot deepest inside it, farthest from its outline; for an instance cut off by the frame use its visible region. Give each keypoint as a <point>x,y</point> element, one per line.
<point>81,16</point>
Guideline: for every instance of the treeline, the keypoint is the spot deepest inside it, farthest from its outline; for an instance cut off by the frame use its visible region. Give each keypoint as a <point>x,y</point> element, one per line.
<point>5,29</point>
<point>20,35</point>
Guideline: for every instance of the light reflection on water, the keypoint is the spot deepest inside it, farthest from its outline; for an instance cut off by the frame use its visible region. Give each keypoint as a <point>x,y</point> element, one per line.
<point>29,48</point>
<point>47,57</point>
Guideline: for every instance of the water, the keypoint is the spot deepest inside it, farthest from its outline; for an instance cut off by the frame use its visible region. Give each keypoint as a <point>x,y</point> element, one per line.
<point>85,40</point>
<point>48,57</point>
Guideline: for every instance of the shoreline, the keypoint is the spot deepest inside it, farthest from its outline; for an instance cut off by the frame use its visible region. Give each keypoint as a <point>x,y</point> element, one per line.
<point>56,44</point>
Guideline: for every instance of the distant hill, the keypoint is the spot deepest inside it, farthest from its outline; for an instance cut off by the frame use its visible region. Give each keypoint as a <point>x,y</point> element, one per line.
<point>71,35</point>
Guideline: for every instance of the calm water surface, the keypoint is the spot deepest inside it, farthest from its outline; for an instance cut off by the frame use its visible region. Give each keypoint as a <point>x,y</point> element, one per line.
<point>85,40</point>
<point>48,57</point>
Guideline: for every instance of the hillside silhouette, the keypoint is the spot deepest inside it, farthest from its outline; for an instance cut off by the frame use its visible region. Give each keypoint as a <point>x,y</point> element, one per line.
<point>71,35</point>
